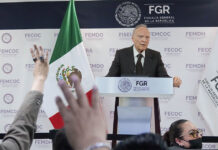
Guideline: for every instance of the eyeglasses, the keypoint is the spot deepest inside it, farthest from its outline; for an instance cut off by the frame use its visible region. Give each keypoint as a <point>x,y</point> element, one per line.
<point>194,133</point>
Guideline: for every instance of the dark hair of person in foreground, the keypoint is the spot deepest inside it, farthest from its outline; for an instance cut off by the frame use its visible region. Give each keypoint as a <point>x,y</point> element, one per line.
<point>175,131</point>
<point>60,141</point>
<point>147,141</point>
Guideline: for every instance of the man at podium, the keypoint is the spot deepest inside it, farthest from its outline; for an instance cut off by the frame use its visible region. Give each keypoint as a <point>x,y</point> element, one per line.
<point>139,60</point>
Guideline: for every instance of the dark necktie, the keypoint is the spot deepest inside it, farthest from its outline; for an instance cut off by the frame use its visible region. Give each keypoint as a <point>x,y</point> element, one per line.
<point>139,68</point>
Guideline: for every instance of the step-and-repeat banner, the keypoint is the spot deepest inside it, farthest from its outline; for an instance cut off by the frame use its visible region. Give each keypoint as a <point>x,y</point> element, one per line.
<point>182,31</point>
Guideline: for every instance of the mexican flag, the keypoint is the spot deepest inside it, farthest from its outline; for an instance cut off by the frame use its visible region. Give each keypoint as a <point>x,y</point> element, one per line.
<point>68,57</point>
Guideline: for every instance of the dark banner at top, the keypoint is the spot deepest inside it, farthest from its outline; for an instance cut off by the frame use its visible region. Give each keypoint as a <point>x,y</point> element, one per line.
<point>111,14</point>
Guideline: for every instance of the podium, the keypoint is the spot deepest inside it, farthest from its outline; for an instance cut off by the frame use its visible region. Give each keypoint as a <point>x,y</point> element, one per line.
<point>136,87</point>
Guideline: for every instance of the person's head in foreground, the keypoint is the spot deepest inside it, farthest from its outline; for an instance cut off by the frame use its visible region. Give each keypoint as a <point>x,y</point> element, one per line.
<point>148,141</point>
<point>60,141</point>
<point>182,133</point>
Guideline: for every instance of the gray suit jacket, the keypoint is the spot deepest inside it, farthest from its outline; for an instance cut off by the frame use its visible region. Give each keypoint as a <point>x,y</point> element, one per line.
<point>124,65</point>
<point>21,132</point>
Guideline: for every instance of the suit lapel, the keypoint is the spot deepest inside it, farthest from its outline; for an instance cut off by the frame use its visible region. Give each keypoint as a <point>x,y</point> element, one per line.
<point>147,62</point>
<point>130,56</point>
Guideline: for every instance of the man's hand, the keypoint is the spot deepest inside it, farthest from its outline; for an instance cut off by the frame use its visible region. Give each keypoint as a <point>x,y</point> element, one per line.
<point>84,125</point>
<point>177,82</point>
<point>41,68</point>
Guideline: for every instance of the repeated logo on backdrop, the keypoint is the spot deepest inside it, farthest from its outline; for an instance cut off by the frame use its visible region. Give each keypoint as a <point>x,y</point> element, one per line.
<point>7,68</point>
<point>97,67</point>
<point>32,36</point>
<point>195,35</point>
<point>6,38</point>
<point>191,99</point>
<point>126,36</point>
<point>13,83</point>
<point>173,115</point>
<point>160,35</point>
<point>8,98</point>
<point>204,51</point>
<point>94,35</point>
<point>42,142</point>
<point>173,51</point>
<point>195,67</point>
<point>8,112</point>
<point>9,52</point>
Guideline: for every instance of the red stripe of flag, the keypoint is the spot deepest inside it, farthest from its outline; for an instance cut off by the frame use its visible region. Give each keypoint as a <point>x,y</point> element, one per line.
<point>57,120</point>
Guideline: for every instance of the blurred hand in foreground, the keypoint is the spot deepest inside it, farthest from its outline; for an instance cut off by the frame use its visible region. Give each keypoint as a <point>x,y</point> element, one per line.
<point>84,125</point>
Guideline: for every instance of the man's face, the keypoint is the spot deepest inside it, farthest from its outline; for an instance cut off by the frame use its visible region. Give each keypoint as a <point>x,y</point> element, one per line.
<point>141,38</point>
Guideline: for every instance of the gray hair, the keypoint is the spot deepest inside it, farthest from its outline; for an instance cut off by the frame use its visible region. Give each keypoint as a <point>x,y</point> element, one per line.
<point>138,26</point>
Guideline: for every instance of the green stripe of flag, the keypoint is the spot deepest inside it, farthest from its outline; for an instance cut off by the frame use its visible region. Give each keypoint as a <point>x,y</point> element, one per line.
<point>69,35</point>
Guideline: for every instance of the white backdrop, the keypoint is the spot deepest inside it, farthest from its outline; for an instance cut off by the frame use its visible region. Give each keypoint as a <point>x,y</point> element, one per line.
<point>184,52</point>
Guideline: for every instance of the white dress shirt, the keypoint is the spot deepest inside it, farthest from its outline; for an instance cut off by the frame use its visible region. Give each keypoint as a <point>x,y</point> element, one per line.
<point>135,53</point>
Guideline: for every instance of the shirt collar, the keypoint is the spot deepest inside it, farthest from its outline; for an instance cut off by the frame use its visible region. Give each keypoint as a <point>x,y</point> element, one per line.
<point>135,52</point>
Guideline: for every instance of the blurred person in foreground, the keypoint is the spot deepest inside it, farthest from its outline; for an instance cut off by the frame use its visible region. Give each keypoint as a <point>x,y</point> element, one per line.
<point>84,126</point>
<point>183,134</point>
<point>21,132</point>
<point>147,141</point>
<point>59,142</point>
